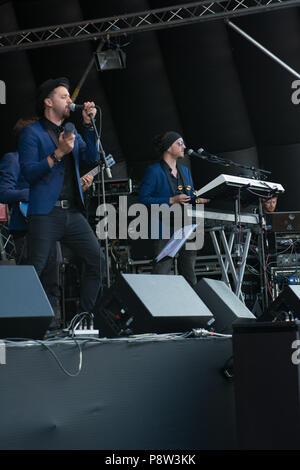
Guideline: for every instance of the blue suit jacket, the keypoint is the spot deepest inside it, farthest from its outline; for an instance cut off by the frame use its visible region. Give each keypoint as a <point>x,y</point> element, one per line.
<point>156,189</point>
<point>13,189</point>
<point>35,145</point>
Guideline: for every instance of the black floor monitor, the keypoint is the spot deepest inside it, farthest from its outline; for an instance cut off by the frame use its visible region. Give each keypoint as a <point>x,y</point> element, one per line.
<point>25,311</point>
<point>223,303</point>
<point>149,303</point>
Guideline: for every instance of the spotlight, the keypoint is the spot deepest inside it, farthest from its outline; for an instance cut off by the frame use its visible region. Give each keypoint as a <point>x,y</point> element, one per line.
<point>110,59</point>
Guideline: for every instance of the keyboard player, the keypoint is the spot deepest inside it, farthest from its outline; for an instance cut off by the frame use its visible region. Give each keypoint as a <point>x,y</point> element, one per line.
<point>169,182</point>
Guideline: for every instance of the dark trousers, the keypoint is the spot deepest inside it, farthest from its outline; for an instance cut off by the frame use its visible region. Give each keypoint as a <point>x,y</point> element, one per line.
<point>70,227</point>
<point>50,277</point>
<point>186,260</point>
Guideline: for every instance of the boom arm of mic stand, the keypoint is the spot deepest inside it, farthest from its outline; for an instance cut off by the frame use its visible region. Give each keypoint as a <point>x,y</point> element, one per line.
<point>100,149</point>
<point>223,161</point>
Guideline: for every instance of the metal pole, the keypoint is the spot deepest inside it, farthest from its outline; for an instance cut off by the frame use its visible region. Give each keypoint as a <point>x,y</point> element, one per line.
<point>238,292</point>
<point>3,255</point>
<point>106,239</point>
<point>263,49</point>
<point>87,71</point>
<point>74,97</point>
<point>262,257</point>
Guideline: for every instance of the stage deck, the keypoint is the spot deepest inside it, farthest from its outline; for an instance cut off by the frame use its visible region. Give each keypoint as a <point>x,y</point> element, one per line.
<point>143,393</point>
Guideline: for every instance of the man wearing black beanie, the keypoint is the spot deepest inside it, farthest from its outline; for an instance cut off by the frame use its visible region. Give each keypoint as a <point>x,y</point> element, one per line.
<point>169,182</point>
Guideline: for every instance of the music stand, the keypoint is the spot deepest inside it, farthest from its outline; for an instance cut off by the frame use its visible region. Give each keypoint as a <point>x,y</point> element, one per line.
<point>177,240</point>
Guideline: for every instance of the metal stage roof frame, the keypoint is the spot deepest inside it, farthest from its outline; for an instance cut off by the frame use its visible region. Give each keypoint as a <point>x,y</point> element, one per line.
<point>178,15</point>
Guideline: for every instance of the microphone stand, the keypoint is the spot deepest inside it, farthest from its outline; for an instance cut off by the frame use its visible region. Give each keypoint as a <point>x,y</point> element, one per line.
<point>257,173</point>
<point>103,163</point>
<point>263,274</point>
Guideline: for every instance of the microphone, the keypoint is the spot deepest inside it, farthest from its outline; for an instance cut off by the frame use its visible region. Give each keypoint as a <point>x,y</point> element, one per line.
<point>203,152</point>
<point>199,154</point>
<point>68,129</point>
<point>77,107</point>
<point>192,153</point>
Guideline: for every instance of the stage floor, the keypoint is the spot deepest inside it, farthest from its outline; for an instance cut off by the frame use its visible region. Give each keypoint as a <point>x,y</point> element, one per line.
<point>147,392</point>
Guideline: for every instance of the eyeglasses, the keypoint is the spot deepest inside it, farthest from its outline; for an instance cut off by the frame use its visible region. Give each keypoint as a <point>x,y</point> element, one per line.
<point>180,142</point>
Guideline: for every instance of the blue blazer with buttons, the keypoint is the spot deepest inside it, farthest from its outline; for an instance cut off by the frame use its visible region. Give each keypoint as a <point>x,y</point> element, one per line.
<point>13,189</point>
<point>156,189</point>
<point>35,145</point>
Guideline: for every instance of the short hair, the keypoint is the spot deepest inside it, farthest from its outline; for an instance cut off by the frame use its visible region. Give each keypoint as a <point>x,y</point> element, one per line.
<point>22,123</point>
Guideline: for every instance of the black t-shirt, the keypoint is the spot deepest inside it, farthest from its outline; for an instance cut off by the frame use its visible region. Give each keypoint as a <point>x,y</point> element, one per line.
<point>177,185</point>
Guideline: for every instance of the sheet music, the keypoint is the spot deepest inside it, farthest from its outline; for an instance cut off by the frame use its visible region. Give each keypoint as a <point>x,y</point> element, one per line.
<point>176,242</point>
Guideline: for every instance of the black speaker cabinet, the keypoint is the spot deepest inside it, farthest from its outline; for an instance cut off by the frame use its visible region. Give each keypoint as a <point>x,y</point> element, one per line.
<point>266,365</point>
<point>25,311</point>
<point>149,303</point>
<point>287,301</point>
<point>225,306</point>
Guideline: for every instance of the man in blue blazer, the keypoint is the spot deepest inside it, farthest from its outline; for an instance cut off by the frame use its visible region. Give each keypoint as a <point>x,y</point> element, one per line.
<point>169,182</point>
<point>13,190</point>
<point>49,159</point>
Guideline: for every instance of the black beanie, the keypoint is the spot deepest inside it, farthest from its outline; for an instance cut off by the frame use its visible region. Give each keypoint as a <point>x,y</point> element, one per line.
<point>164,142</point>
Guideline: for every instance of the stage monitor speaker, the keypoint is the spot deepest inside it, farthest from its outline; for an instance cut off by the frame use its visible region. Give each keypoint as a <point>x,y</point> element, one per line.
<point>149,303</point>
<point>286,304</point>
<point>25,311</point>
<point>225,306</point>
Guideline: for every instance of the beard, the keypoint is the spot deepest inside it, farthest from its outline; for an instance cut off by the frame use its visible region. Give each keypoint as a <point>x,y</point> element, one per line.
<point>66,112</point>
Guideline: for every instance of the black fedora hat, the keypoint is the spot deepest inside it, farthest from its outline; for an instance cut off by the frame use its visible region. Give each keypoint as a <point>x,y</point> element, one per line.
<point>45,89</point>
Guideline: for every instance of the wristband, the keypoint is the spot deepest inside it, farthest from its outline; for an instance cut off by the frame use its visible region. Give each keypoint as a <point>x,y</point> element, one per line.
<point>55,158</point>
<point>88,126</point>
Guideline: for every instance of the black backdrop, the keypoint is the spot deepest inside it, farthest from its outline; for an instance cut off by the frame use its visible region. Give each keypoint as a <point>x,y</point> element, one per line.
<point>204,80</point>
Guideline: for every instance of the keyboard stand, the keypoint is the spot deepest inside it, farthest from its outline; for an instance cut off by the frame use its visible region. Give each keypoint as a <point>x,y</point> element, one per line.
<point>227,264</point>
<point>3,255</point>
<point>242,191</point>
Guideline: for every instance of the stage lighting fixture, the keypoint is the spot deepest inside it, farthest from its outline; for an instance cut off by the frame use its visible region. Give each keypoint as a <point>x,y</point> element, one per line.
<point>110,59</point>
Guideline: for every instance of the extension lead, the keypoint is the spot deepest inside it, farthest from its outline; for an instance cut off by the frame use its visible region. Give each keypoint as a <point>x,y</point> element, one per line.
<point>83,328</point>
<point>84,332</point>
